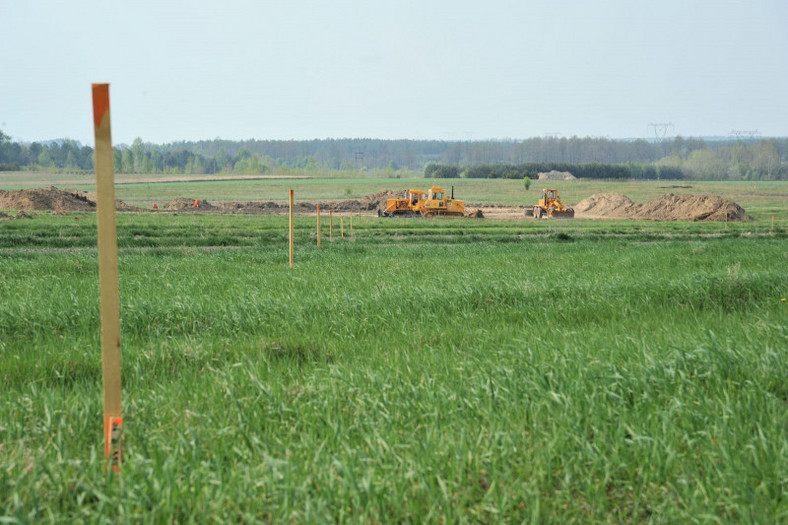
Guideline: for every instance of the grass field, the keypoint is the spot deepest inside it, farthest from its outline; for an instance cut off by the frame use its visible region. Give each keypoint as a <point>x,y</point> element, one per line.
<point>418,370</point>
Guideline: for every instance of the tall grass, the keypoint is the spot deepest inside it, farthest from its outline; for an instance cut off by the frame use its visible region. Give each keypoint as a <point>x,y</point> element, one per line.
<point>406,374</point>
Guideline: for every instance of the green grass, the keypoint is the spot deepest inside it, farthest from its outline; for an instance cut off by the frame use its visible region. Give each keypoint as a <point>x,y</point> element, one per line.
<point>424,370</point>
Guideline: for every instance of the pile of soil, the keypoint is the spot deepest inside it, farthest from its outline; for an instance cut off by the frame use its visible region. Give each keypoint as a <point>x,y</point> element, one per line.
<point>556,175</point>
<point>611,205</point>
<point>53,199</point>
<point>19,215</point>
<point>187,204</point>
<point>672,207</point>
<point>377,201</point>
<point>669,207</point>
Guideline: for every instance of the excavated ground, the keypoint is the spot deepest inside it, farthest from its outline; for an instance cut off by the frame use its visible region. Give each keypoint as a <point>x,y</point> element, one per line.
<point>598,206</point>
<point>669,207</point>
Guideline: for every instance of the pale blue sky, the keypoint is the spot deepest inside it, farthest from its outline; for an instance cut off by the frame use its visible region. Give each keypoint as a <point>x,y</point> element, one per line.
<point>454,70</point>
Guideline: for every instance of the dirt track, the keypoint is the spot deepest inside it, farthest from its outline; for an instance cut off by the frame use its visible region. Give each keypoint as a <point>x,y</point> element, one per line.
<point>598,206</point>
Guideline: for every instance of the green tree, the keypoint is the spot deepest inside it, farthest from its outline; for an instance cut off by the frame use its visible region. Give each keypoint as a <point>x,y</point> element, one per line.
<point>126,162</point>
<point>765,159</point>
<point>223,161</point>
<point>44,160</point>
<point>704,164</point>
<point>137,154</point>
<point>527,183</point>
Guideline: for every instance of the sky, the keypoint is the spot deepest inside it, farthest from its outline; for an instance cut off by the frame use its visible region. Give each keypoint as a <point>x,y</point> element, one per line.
<point>446,70</point>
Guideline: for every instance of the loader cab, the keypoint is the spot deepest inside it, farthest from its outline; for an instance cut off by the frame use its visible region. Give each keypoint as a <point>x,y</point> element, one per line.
<point>548,196</point>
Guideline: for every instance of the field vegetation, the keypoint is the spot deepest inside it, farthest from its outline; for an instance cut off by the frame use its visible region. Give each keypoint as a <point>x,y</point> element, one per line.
<point>417,370</point>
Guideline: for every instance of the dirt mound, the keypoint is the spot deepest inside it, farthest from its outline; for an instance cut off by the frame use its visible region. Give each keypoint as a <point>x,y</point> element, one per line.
<point>669,207</point>
<point>50,198</point>
<point>54,200</point>
<point>672,207</point>
<point>613,205</point>
<point>187,204</point>
<point>19,215</point>
<point>556,175</point>
<point>377,201</point>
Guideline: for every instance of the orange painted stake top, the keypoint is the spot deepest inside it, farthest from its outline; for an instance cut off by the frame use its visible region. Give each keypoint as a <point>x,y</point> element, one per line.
<point>196,203</point>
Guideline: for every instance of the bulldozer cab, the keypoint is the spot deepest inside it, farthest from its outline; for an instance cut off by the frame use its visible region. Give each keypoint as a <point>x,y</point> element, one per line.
<point>436,194</point>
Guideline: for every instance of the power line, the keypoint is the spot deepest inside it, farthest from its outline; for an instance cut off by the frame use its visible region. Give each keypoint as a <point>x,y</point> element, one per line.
<point>743,132</point>
<point>660,129</point>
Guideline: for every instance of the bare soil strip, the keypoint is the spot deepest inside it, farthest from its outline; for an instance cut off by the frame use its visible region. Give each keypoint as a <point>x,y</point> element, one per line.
<point>669,207</point>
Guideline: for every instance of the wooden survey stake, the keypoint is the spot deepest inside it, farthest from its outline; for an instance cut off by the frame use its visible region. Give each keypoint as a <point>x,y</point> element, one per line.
<point>318,226</point>
<point>108,276</point>
<point>291,228</point>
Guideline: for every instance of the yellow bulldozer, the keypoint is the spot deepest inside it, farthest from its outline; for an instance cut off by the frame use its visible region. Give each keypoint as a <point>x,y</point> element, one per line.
<point>432,203</point>
<point>552,207</point>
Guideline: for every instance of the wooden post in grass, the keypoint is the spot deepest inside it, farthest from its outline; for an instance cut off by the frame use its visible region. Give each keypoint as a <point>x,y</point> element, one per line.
<point>330,225</point>
<point>318,226</point>
<point>108,276</point>
<point>351,222</point>
<point>342,225</point>
<point>291,228</point>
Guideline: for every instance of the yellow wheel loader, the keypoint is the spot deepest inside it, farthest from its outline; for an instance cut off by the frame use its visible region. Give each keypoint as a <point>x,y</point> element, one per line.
<point>552,207</point>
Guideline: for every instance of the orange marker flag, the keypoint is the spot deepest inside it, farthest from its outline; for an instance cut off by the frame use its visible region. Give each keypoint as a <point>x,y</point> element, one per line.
<point>196,203</point>
<point>108,276</point>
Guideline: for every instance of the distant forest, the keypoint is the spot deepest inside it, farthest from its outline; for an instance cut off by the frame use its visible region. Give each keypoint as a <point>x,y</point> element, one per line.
<point>677,158</point>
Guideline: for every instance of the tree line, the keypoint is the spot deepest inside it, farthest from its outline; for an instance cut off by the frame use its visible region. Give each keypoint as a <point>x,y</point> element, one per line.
<point>532,170</point>
<point>691,158</point>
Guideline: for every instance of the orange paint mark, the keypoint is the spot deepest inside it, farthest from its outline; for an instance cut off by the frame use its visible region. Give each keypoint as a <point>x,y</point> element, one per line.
<point>196,203</point>
<point>100,102</point>
<point>113,427</point>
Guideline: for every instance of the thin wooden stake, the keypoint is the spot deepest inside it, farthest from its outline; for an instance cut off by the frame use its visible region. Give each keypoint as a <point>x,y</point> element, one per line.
<point>342,225</point>
<point>318,226</point>
<point>351,222</point>
<point>108,276</point>
<point>330,225</point>
<point>291,228</point>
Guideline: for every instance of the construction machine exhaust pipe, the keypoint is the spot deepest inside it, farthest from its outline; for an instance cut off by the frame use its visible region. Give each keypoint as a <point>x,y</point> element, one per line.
<point>452,192</point>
